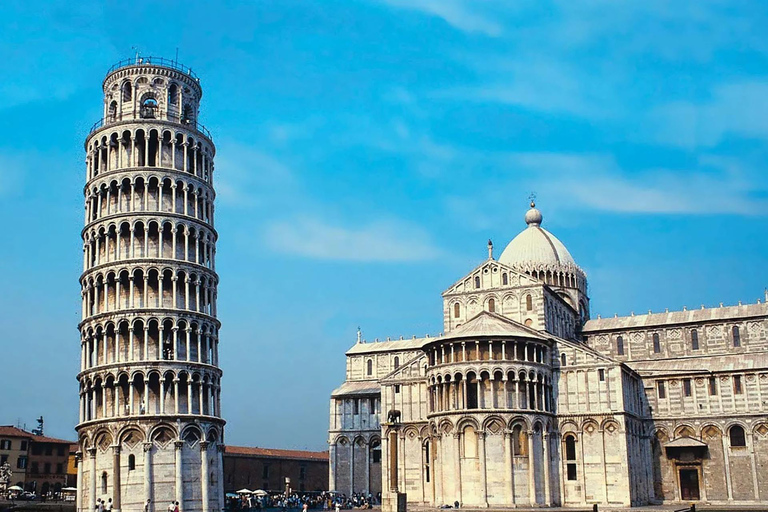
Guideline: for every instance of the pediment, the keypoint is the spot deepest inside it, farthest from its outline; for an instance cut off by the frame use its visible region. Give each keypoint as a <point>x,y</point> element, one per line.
<point>491,269</point>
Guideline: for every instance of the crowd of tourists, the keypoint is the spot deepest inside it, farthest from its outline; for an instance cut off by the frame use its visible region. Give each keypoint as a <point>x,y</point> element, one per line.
<point>331,501</point>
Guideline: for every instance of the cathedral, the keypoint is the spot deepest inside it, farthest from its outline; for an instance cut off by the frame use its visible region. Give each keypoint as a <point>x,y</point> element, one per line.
<point>524,400</point>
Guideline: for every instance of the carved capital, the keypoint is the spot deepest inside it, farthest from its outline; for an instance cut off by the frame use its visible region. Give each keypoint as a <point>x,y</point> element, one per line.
<point>178,444</point>
<point>203,446</point>
<point>147,446</point>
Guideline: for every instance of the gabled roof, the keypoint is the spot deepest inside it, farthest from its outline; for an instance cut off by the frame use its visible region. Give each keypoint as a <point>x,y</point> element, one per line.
<point>357,388</point>
<point>492,324</point>
<point>502,266</point>
<point>388,346</point>
<point>685,442</point>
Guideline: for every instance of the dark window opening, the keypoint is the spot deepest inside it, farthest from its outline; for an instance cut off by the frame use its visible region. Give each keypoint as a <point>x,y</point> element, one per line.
<point>662,389</point>
<point>694,340</point>
<point>656,343</point>
<point>491,305</point>
<point>456,310</point>
<point>620,346</point>
<point>687,387</point>
<point>737,436</point>
<point>131,462</point>
<point>601,374</point>
<point>737,384</point>
<point>713,386</point>
<point>477,281</point>
<point>736,336</point>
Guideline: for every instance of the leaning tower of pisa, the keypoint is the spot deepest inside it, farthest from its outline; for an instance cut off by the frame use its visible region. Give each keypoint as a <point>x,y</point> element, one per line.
<point>150,421</point>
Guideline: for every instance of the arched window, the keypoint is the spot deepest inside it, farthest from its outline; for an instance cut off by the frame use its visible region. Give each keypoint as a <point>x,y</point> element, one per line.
<point>112,114</point>
<point>148,108</point>
<point>188,115</point>
<point>504,278</point>
<point>127,91</point>
<point>370,367</point>
<point>397,362</point>
<point>694,340</point>
<point>570,456</point>
<point>173,94</point>
<point>477,281</point>
<point>736,434</point>
<point>104,483</point>
<point>736,336</point>
<point>131,462</point>
<point>519,441</point>
<point>375,452</point>
<point>456,310</point>
<point>528,302</point>
<point>562,359</point>
<point>470,442</point>
<point>656,343</point>
<point>620,346</point>
<point>492,305</point>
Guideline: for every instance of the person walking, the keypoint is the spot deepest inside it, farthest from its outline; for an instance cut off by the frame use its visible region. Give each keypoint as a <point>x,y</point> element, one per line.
<point>108,506</point>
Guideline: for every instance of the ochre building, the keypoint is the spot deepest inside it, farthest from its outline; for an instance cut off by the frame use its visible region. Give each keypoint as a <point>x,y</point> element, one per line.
<point>271,470</point>
<point>150,418</point>
<point>525,400</point>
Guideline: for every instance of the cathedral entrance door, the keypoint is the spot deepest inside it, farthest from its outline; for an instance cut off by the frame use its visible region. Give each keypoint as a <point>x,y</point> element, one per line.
<point>689,484</point>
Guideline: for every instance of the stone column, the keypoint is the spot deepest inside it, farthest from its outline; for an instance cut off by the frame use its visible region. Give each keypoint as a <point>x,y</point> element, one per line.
<point>510,474</point>
<point>92,490</point>
<point>727,465</point>
<point>483,476</point>
<point>332,467</point>
<point>367,468</point>
<point>220,449</point>
<point>116,480</point>
<point>204,482</point>
<point>352,467</point>
<point>531,469</point>
<point>79,459</point>
<point>392,461</point>
<point>148,472</point>
<point>457,466</point>
<point>179,445</point>
<point>547,489</point>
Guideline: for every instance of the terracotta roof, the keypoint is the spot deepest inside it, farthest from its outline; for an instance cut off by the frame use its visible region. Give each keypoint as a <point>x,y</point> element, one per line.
<point>10,431</point>
<point>275,454</point>
<point>46,439</point>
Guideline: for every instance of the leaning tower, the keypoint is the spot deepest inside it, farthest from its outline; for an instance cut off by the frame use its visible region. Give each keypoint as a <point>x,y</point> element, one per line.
<point>150,420</point>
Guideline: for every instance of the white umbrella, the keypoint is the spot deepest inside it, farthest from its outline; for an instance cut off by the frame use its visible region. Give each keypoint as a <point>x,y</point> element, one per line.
<point>69,489</point>
<point>244,491</point>
<point>259,492</point>
<point>15,488</point>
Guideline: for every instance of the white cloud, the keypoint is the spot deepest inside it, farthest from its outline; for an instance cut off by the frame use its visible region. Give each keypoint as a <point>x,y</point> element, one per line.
<point>382,241</point>
<point>246,177</point>
<point>457,13</point>
<point>733,109</point>
<point>597,182</point>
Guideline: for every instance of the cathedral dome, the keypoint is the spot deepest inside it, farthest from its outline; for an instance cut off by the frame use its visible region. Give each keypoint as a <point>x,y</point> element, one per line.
<point>535,246</point>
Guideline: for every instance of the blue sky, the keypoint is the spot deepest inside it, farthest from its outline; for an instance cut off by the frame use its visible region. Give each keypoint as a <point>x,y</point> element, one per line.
<point>366,152</point>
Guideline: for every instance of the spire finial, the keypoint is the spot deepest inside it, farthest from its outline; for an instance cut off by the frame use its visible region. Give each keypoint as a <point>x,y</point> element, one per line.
<point>490,249</point>
<point>359,335</point>
<point>532,199</point>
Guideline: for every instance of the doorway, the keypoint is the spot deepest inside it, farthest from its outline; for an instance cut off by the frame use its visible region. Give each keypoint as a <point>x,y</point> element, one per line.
<point>689,484</point>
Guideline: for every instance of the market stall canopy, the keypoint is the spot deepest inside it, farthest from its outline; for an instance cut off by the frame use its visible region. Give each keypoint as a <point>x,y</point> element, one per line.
<point>259,492</point>
<point>244,491</point>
